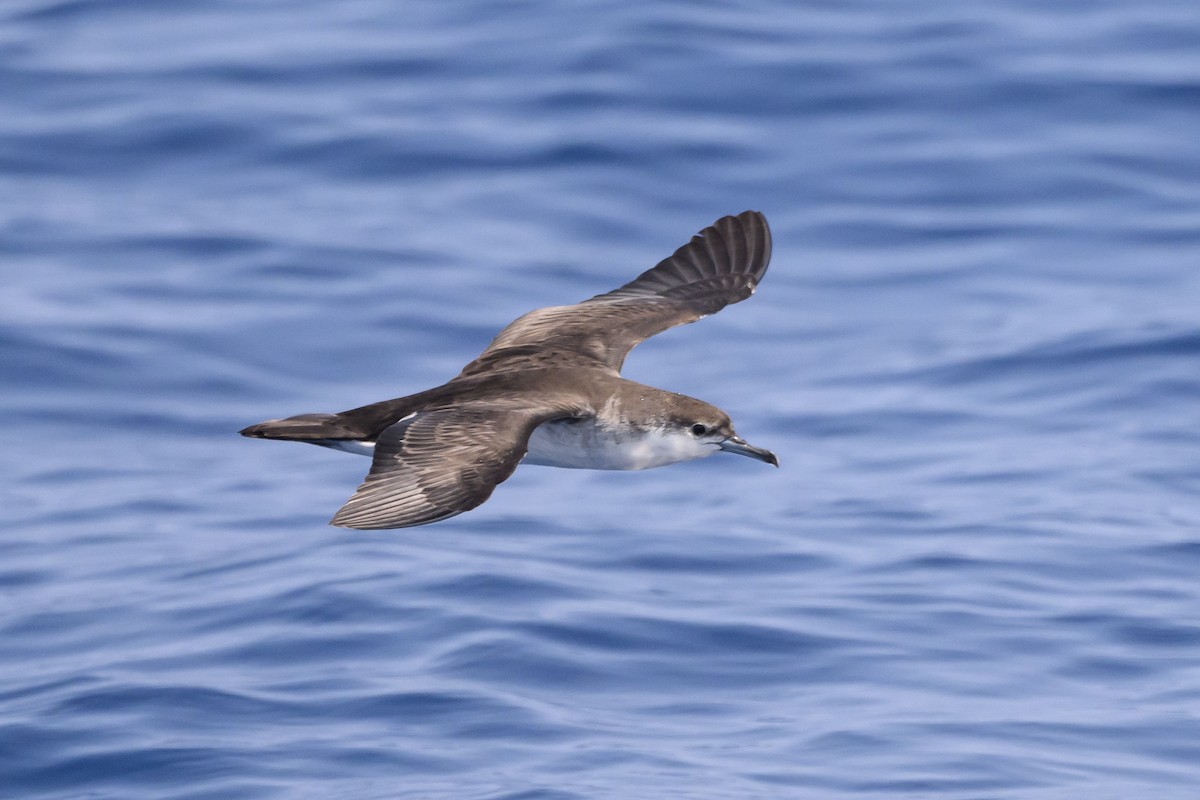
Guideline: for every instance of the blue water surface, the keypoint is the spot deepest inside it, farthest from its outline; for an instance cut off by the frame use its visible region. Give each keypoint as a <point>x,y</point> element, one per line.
<point>977,354</point>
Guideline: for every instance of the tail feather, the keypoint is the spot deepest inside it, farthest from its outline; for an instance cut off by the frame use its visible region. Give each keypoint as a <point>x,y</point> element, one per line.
<point>304,427</point>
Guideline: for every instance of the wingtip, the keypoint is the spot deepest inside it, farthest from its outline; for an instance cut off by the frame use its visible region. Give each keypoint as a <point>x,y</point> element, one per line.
<point>754,235</point>
<point>339,521</point>
<point>752,214</point>
<point>345,519</point>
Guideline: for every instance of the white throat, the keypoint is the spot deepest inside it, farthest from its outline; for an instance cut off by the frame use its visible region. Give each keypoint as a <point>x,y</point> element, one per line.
<point>587,444</point>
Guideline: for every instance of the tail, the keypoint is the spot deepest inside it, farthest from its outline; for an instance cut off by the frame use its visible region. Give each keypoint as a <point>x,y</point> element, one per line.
<point>304,427</point>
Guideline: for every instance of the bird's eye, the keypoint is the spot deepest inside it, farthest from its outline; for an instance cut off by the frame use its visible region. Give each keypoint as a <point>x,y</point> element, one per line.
<point>699,430</point>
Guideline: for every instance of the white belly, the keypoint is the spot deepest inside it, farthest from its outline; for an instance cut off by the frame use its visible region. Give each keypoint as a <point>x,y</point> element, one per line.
<point>586,445</point>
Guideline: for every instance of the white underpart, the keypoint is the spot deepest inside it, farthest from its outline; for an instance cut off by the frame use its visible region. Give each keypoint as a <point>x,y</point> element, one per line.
<point>351,446</point>
<point>356,447</point>
<point>586,445</point>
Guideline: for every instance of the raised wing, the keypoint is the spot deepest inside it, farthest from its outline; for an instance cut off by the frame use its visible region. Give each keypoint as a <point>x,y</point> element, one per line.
<point>720,265</point>
<point>435,464</point>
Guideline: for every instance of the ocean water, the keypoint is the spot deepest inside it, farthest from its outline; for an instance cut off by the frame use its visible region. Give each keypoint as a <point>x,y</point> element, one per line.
<point>977,354</point>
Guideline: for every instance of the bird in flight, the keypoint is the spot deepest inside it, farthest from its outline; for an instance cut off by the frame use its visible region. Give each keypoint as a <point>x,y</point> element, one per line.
<point>548,390</point>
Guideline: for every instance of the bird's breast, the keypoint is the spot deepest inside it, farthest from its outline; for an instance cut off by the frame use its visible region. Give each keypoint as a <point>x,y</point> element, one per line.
<point>587,444</point>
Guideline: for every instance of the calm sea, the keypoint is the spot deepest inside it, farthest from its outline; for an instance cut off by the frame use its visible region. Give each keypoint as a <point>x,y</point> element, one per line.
<point>977,354</point>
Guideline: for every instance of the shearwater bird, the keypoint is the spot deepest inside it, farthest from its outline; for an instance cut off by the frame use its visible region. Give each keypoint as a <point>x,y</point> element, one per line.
<point>548,391</point>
